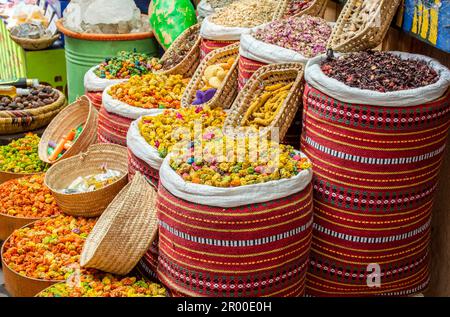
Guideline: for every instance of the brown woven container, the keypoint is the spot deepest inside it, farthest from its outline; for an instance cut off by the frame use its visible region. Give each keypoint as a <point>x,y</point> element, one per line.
<point>89,204</point>
<point>18,121</point>
<point>190,62</point>
<point>265,76</point>
<point>80,112</point>
<point>353,33</point>
<point>35,44</point>
<point>225,95</point>
<point>317,9</point>
<point>9,223</point>
<point>124,231</point>
<point>19,285</point>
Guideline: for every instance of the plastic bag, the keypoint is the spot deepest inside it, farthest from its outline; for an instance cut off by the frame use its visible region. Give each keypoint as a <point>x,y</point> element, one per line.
<point>169,18</point>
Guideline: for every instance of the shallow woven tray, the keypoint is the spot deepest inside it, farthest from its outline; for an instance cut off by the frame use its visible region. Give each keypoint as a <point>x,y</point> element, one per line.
<point>264,76</point>
<point>90,204</point>
<point>190,62</point>
<point>18,121</point>
<point>367,37</point>
<point>225,95</point>
<point>317,8</point>
<point>22,286</point>
<point>81,111</point>
<point>35,44</point>
<point>124,231</point>
<point>6,176</point>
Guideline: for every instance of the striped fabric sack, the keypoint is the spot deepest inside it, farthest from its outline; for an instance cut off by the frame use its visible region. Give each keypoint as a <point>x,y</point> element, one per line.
<point>135,164</point>
<point>96,98</point>
<point>112,128</point>
<point>246,68</point>
<point>376,169</point>
<point>247,250</point>
<point>207,46</point>
<point>148,265</point>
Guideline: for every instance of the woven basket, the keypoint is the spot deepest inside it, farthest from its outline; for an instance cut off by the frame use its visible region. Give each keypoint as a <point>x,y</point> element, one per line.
<point>35,44</point>
<point>380,14</point>
<point>124,231</point>
<point>317,8</point>
<point>225,95</point>
<point>189,63</point>
<point>264,76</point>
<point>19,285</point>
<point>80,112</point>
<point>6,176</point>
<point>17,121</point>
<point>90,204</point>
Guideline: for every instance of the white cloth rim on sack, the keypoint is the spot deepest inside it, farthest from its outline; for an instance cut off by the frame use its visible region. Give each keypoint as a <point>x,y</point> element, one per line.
<point>204,9</point>
<point>212,31</point>
<point>94,83</point>
<point>403,98</point>
<point>140,148</point>
<point>123,109</point>
<point>231,196</point>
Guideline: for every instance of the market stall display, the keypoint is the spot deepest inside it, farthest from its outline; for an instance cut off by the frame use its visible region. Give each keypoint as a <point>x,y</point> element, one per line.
<point>124,232</point>
<point>226,25</point>
<point>97,158</point>
<point>292,40</point>
<point>80,116</point>
<point>32,109</point>
<point>208,7</point>
<point>24,200</point>
<point>376,140</point>
<point>214,83</point>
<point>268,200</point>
<point>32,36</point>
<point>20,158</point>
<point>169,18</point>
<point>151,138</point>
<point>98,284</point>
<point>145,95</point>
<point>53,247</point>
<point>289,8</point>
<point>270,100</point>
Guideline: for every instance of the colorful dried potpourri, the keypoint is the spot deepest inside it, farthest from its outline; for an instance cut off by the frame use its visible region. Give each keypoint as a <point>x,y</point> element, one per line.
<point>21,156</point>
<point>246,161</point>
<point>245,13</point>
<point>215,4</point>
<point>27,197</point>
<point>306,35</point>
<point>93,283</point>
<point>124,65</point>
<point>151,91</point>
<point>167,129</point>
<point>379,71</point>
<point>297,6</point>
<point>174,56</point>
<point>49,249</point>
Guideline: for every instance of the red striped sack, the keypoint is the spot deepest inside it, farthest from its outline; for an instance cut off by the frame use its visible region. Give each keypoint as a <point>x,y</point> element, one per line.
<point>135,164</point>
<point>148,264</point>
<point>112,128</point>
<point>95,97</point>
<point>246,251</point>
<point>376,169</point>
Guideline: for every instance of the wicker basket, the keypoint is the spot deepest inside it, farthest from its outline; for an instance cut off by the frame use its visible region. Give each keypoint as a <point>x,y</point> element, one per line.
<point>9,223</point>
<point>35,44</point>
<point>19,285</point>
<point>353,33</point>
<point>80,112</point>
<point>317,8</point>
<point>12,122</point>
<point>190,62</point>
<point>89,204</point>
<point>6,176</point>
<point>124,231</point>
<point>264,76</point>
<point>225,95</point>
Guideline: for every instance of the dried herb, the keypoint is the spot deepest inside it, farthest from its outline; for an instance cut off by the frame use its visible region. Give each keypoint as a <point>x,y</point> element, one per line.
<point>379,71</point>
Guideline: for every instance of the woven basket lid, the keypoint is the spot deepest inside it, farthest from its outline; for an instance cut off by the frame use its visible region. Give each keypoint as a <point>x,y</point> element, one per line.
<point>125,230</point>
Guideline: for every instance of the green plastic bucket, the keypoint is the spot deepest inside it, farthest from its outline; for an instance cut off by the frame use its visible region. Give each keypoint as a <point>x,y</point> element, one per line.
<point>84,51</point>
